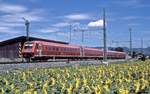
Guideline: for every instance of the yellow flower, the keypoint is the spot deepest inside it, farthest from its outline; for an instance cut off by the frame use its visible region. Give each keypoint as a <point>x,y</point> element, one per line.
<point>24,76</point>
<point>6,82</point>
<point>31,85</point>
<point>44,91</point>
<point>12,86</point>
<point>2,91</point>
<point>77,82</point>
<point>63,87</point>
<point>29,91</point>
<point>70,89</point>
<point>17,90</point>
<point>106,88</point>
<point>35,92</point>
<point>98,90</point>
<point>53,81</point>
<point>84,82</point>
<point>137,84</point>
<point>46,84</point>
<point>123,91</point>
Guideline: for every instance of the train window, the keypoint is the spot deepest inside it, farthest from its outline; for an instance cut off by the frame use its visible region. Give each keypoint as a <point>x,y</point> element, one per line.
<point>49,48</point>
<point>28,45</point>
<point>76,50</point>
<point>61,49</point>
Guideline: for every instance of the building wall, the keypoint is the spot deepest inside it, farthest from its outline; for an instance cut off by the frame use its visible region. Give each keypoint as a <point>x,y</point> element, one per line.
<point>10,51</point>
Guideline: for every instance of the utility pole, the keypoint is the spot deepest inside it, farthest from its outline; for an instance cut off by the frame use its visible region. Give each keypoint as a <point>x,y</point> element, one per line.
<point>82,36</point>
<point>142,46</point>
<point>82,31</point>
<point>130,31</point>
<point>104,37</point>
<point>70,34</point>
<point>27,28</point>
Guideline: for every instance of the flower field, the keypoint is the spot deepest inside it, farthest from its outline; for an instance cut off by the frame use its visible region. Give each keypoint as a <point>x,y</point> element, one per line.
<point>125,78</point>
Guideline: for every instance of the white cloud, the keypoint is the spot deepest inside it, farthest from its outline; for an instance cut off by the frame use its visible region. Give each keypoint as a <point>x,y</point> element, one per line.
<point>130,18</point>
<point>9,8</point>
<point>3,28</point>
<point>98,23</point>
<point>127,2</point>
<point>78,17</point>
<point>11,17</point>
<point>65,34</point>
<point>131,3</point>
<point>49,30</point>
<point>11,24</point>
<point>7,30</point>
<point>62,24</point>
<point>14,13</point>
<point>31,16</point>
<point>133,24</point>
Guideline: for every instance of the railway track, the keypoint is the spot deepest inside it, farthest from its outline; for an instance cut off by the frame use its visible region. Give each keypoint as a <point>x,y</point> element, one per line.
<point>21,65</point>
<point>66,61</point>
<point>13,62</point>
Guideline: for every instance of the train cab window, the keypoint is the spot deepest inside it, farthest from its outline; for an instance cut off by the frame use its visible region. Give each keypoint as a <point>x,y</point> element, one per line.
<point>28,45</point>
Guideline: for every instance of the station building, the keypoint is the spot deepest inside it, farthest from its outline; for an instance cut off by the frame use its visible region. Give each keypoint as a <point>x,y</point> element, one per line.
<point>12,48</point>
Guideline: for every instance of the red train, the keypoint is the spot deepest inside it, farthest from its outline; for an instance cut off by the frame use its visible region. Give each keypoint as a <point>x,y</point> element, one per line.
<point>41,50</point>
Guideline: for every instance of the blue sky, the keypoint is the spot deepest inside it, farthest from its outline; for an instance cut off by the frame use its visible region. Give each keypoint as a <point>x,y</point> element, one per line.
<point>51,19</point>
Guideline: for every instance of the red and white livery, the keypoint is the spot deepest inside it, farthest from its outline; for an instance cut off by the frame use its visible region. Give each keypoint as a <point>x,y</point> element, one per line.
<point>41,50</point>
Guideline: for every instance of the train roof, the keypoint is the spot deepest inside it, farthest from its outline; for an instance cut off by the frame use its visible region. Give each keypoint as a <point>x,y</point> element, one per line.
<point>23,39</point>
<point>116,52</point>
<point>58,44</point>
<point>94,49</point>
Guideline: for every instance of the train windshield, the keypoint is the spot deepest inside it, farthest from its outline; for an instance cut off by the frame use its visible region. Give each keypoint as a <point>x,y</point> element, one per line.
<point>28,45</point>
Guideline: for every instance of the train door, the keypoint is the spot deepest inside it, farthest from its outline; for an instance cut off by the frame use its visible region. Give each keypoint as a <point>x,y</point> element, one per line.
<point>39,49</point>
<point>81,51</point>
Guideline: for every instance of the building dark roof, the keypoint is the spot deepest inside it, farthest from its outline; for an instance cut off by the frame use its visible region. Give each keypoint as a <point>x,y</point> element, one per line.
<point>23,39</point>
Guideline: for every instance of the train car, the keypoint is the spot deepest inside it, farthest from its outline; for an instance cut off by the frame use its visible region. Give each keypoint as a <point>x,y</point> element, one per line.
<point>93,53</point>
<point>116,55</point>
<point>41,50</point>
<point>48,50</point>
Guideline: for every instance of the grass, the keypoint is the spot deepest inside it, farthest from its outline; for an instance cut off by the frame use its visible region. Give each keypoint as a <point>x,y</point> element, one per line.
<point>118,78</point>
